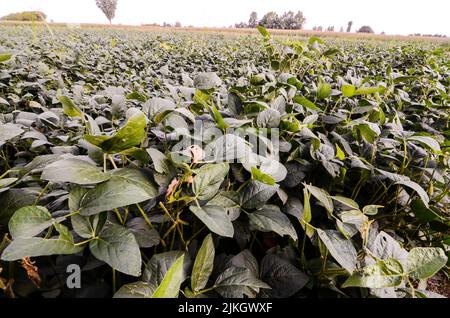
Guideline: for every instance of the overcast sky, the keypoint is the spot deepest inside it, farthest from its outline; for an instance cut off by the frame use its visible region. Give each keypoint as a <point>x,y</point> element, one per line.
<point>390,16</point>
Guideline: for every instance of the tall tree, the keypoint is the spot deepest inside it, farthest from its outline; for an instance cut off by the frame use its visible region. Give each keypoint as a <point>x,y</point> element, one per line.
<point>253,20</point>
<point>299,20</point>
<point>108,7</point>
<point>270,20</point>
<point>349,26</point>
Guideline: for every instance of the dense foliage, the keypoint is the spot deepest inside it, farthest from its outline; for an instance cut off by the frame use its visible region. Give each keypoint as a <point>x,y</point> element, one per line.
<point>271,20</point>
<point>356,206</point>
<point>25,16</point>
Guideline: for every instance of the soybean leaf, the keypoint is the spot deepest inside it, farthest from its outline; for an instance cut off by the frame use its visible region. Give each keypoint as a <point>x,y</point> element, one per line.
<point>235,282</point>
<point>208,179</point>
<point>424,262</point>
<point>130,135</point>
<point>427,142</point>
<point>160,161</point>
<point>215,218</point>
<point>385,273</point>
<point>306,103</point>
<point>69,108</point>
<point>203,265</point>
<point>322,196</point>
<point>144,234</point>
<point>260,176</point>
<point>340,248</point>
<point>284,278</point>
<point>118,247</point>
<point>270,218</point>
<point>416,187</point>
<point>74,170</point>
<point>29,221</point>
<point>255,194</point>
<point>36,246</point>
<point>170,285</point>
<point>125,187</point>
<point>159,264</point>
<point>348,90</point>
<point>207,80</point>
<point>5,57</point>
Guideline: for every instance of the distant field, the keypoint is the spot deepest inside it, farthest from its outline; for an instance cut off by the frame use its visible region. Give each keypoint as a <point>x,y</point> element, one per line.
<point>288,33</point>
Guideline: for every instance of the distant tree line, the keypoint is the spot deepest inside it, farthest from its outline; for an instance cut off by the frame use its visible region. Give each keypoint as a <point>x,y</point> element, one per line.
<point>271,20</point>
<point>429,35</point>
<point>25,16</point>
<point>363,29</point>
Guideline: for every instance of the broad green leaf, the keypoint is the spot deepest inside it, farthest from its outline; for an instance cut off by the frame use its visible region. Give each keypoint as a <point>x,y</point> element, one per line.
<point>156,269</point>
<point>284,278</point>
<point>346,201</point>
<point>322,196</point>
<point>215,218</point>
<point>117,247</point>
<point>203,265</point>
<point>366,90</point>
<point>160,161</point>
<point>269,118</point>
<point>74,170</point>
<point>416,187</point>
<point>369,131</point>
<point>348,90</point>
<point>340,248</point>
<point>208,179</point>
<point>306,103</point>
<point>371,209</point>
<point>255,194</point>
<point>29,221</point>
<point>9,131</point>
<point>126,186</point>
<point>170,285</point>
<point>429,142</point>
<point>136,290</point>
<point>207,80</point>
<point>235,282</point>
<point>270,218</point>
<point>4,183</point>
<point>260,176</point>
<point>145,235</point>
<point>323,90</point>
<point>263,31</point>
<point>5,57</point>
<point>424,262</point>
<point>385,273</point>
<point>36,246</point>
<point>130,135</point>
<point>69,108</point>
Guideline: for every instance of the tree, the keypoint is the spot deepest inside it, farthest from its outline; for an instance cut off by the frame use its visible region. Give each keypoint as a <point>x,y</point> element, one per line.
<point>299,20</point>
<point>365,29</point>
<point>270,20</point>
<point>330,28</point>
<point>319,28</point>
<point>341,29</point>
<point>25,16</point>
<point>178,24</point>
<point>108,7</point>
<point>253,20</point>
<point>349,26</point>
<point>287,20</point>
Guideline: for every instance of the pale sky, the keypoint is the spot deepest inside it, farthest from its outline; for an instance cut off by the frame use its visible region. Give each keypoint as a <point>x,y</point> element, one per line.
<point>391,16</point>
